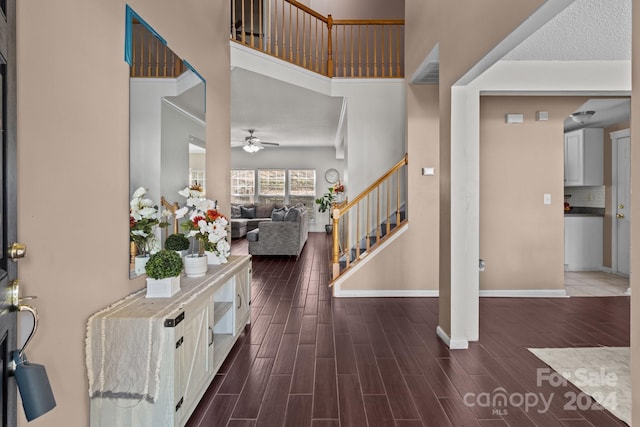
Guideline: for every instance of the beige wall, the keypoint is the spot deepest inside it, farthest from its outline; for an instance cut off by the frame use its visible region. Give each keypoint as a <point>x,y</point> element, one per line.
<point>415,254</point>
<point>635,229</point>
<point>73,164</point>
<point>609,212</point>
<point>520,237</point>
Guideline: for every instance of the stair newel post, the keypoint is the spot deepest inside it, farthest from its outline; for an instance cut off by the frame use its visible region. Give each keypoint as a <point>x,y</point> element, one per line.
<point>329,46</point>
<point>335,217</point>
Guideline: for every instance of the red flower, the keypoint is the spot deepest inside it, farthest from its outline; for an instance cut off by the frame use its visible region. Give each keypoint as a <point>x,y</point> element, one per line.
<point>197,219</point>
<point>132,222</point>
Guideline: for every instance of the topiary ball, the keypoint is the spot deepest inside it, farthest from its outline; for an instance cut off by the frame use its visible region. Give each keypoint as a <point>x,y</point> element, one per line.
<point>163,264</point>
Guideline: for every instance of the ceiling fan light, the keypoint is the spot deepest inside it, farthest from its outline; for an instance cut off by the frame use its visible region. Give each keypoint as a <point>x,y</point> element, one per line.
<point>582,116</point>
<point>251,148</point>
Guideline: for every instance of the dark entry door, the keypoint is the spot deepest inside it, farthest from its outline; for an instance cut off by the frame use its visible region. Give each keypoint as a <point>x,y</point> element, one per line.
<point>8,200</point>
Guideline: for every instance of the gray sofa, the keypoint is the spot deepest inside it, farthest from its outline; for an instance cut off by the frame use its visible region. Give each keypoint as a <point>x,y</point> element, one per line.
<point>285,236</point>
<point>245,218</point>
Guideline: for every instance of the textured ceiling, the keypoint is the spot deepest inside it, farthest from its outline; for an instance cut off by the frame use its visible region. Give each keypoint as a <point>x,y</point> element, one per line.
<point>585,30</point>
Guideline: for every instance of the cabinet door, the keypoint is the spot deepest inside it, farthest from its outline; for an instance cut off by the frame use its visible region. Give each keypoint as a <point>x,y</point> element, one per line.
<point>243,298</point>
<point>573,159</point>
<point>195,362</point>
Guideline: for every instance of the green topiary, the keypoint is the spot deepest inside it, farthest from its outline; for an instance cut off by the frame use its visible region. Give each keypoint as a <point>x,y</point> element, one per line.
<point>163,264</point>
<point>176,242</point>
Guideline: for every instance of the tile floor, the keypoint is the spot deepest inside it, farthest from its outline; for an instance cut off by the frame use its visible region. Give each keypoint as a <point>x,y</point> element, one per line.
<point>594,284</point>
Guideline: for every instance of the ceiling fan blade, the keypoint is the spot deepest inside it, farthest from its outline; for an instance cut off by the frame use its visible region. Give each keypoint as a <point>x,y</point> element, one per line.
<point>274,144</point>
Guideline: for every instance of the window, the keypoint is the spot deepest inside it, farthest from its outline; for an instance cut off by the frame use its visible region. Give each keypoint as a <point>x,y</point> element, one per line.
<point>271,186</point>
<point>197,177</point>
<point>280,186</point>
<point>243,185</point>
<point>302,189</point>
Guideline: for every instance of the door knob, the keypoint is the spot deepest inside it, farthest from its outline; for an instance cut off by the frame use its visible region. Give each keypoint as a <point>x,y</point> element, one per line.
<point>619,216</point>
<point>17,251</point>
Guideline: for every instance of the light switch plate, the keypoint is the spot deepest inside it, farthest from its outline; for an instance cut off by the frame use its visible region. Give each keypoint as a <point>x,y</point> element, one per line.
<point>428,171</point>
<point>547,199</point>
<point>514,118</point>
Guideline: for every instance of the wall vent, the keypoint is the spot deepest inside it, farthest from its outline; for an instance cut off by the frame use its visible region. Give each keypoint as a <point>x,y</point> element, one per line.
<point>428,73</point>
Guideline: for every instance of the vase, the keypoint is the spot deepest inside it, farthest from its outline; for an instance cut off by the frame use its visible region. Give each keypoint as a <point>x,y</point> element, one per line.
<point>215,259</point>
<point>162,288</point>
<point>195,265</point>
<point>139,264</point>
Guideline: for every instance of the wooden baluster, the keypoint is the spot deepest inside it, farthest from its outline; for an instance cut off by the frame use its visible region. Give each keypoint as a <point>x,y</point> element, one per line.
<point>352,48</point>
<point>382,63</point>
<point>388,215</point>
<point>165,67</point>
<point>344,50</point>
<point>149,55</point>
<point>297,32</point>
<point>290,34</point>
<point>315,60</point>
<point>398,72</point>
<point>359,50</point>
<point>282,40</point>
<point>251,22</point>
<point>398,198</point>
<point>358,231</point>
<point>375,51</point>
<point>367,63</point>
<point>304,40</point>
<point>260,33</point>
<point>390,51</point>
<point>243,36</point>
<point>232,30</point>
<point>275,24</point>
<point>329,47</point>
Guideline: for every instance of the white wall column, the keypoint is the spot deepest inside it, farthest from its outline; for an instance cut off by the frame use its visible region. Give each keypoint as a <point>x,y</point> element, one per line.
<point>465,215</point>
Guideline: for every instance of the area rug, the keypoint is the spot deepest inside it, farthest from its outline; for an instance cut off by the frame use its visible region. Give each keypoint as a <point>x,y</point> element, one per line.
<point>601,372</point>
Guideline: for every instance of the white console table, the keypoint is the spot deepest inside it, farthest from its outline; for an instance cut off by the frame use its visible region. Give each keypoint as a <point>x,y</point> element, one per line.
<point>150,360</point>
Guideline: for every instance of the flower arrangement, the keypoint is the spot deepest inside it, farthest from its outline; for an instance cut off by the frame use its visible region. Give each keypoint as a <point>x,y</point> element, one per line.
<point>143,219</point>
<point>338,187</point>
<point>205,224</point>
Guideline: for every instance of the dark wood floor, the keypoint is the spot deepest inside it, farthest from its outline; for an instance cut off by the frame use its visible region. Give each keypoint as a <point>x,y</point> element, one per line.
<point>310,360</point>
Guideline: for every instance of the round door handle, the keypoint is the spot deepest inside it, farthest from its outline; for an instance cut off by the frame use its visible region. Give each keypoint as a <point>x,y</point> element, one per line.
<point>619,216</point>
<point>17,251</point>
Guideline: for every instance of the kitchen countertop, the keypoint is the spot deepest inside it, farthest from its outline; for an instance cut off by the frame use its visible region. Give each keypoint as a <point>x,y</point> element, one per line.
<point>584,211</point>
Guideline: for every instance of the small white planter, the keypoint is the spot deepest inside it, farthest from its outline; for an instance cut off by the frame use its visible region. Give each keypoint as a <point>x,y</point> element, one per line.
<point>162,288</point>
<point>195,266</point>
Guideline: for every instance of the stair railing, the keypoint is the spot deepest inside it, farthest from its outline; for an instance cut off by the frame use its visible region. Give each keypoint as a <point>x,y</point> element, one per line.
<point>362,224</point>
<point>294,32</point>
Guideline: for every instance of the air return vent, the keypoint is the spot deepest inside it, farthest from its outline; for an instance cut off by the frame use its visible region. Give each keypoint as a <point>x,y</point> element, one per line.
<point>428,73</point>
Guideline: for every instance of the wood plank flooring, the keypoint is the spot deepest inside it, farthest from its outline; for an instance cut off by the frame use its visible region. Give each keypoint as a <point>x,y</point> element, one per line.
<point>310,360</point>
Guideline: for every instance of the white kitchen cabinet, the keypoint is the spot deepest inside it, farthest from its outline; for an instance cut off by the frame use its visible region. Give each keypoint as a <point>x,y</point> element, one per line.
<point>583,157</point>
<point>583,243</point>
<point>192,333</point>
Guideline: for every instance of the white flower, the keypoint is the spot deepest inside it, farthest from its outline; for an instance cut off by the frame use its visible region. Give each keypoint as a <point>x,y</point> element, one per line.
<point>141,191</point>
<point>180,213</point>
<point>139,233</point>
<point>184,193</point>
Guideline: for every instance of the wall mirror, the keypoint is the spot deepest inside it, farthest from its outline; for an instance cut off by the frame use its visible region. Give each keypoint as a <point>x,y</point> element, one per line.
<point>166,125</point>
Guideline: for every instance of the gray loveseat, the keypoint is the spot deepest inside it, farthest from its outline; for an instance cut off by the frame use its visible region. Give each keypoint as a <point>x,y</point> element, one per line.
<point>283,235</point>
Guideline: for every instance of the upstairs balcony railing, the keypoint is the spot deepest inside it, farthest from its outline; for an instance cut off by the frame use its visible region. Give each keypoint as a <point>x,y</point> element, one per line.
<point>297,34</point>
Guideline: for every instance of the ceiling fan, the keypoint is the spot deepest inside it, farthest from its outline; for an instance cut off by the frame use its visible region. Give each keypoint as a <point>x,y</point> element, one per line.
<point>253,144</point>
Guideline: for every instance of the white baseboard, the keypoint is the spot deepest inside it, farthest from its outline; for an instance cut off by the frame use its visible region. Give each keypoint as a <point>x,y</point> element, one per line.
<point>387,293</point>
<point>432,293</point>
<point>455,344</point>
<point>524,293</point>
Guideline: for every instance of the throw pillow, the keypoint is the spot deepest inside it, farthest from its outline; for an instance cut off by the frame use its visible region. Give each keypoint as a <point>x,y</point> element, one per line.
<point>235,211</point>
<point>278,214</point>
<point>292,215</point>
<point>247,212</point>
<point>264,210</point>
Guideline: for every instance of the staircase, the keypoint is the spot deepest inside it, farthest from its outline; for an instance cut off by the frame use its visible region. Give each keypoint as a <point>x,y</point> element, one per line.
<point>369,220</point>
<point>368,242</point>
